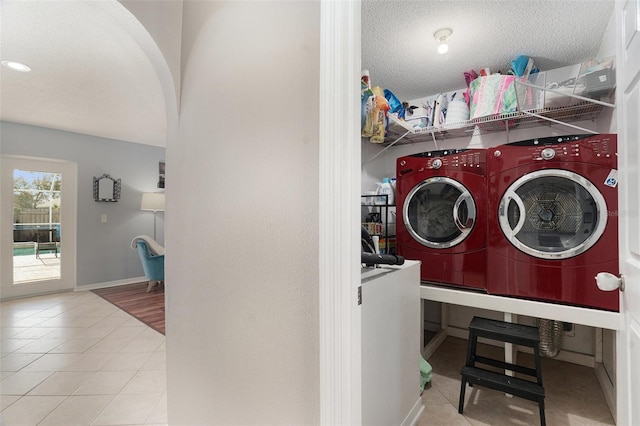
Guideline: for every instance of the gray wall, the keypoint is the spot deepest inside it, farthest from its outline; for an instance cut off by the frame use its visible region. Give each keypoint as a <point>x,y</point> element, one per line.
<point>104,253</point>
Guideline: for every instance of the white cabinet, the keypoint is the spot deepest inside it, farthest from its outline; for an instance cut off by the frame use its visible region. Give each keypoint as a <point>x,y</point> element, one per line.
<point>391,345</point>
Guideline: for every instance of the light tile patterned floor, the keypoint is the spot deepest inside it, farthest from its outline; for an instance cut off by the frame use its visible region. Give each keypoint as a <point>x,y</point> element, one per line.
<point>573,394</point>
<point>75,359</point>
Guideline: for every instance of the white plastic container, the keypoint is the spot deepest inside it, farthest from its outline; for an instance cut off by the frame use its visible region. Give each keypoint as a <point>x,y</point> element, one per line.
<point>393,182</point>
<point>384,188</point>
<point>457,111</point>
<point>418,117</point>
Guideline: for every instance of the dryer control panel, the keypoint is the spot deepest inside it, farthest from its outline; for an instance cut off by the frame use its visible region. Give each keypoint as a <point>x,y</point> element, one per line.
<point>461,161</point>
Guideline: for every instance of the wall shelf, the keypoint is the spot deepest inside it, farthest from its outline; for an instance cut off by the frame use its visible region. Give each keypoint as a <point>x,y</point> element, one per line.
<point>402,133</point>
<point>577,108</point>
<point>376,220</point>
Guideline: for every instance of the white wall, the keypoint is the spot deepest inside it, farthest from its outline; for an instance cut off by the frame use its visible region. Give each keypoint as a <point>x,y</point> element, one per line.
<point>163,21</point>
<point>104,251</point>
<point>242,249</point>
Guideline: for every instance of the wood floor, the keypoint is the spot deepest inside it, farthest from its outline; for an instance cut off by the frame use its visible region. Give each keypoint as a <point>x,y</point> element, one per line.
<point>134,299</point>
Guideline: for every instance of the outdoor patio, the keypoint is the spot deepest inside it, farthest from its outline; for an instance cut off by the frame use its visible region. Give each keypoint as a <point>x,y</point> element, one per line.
<point>28,268</point>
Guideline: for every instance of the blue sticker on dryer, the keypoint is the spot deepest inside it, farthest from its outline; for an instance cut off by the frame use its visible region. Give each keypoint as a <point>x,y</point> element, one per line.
<point>612,178</point>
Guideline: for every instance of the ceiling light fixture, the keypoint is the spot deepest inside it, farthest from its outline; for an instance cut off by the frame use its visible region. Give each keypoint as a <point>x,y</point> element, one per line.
<point>442,37</point>
<point>17,66</point>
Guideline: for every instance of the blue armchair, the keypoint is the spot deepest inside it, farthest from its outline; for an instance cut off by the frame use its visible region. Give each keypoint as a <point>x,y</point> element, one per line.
<point>152,264</point>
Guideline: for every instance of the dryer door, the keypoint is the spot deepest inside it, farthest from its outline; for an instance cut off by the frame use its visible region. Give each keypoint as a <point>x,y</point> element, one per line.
<point>552,214</point>
<point>439,212</point>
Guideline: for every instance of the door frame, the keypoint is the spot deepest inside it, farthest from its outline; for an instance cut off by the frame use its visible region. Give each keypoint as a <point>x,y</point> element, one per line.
<point>339,218</point>
<point>627,338</point>
<point>340,61</point>
<point>68,220</point>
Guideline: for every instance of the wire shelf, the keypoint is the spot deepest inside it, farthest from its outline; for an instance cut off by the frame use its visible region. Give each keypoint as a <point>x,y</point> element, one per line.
<point>402,134</point>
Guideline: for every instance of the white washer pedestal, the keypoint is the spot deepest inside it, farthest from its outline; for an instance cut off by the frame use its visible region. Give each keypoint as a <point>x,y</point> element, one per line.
<point>511,308</point>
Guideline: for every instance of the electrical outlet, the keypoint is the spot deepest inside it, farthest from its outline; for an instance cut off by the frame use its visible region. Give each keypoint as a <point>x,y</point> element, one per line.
<point>103,218</point>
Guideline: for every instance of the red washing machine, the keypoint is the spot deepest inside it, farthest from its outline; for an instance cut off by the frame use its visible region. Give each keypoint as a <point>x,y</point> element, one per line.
<point>553,222</point>
<point>441,204</point>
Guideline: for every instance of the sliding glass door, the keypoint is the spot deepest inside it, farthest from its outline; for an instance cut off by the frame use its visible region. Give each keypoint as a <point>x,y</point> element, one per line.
<point>38,226</point>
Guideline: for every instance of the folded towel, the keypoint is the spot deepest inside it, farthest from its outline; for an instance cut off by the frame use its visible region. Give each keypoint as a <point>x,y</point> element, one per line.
<point>154,247</point>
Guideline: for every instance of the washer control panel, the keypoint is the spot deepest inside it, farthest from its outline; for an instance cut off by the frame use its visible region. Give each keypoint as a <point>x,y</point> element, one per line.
<point>459,159</point>
<point>548,153</point>
<point>585,148</point>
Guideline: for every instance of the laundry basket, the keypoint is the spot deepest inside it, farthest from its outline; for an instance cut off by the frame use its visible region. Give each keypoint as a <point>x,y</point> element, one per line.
<point>551,333</point>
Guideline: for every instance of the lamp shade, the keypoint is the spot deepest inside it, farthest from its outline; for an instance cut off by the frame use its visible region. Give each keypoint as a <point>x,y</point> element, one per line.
<point>152,201</point>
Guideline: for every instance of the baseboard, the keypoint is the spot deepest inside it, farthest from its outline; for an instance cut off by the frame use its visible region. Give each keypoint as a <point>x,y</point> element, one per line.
<point>431,326</point>
<point>576,358</point>
<point>46,293</point>
<point>566,356</point>
<point>87,287</point>
<point>608,389</point>
<point>414,415</point>
<point>110,284</point>
<point>433,344</point>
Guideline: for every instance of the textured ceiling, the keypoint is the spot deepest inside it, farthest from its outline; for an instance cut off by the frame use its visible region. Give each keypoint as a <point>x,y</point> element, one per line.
<point>399,50</point>
<point>89,75</point>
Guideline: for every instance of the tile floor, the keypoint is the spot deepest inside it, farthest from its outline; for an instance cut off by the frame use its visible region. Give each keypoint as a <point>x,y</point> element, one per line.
<point>573,394</point>
<point>75,359</point>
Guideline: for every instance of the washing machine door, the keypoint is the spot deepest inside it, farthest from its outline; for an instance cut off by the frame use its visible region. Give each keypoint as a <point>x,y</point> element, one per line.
<point>439,212</point>
<point>552,214</point>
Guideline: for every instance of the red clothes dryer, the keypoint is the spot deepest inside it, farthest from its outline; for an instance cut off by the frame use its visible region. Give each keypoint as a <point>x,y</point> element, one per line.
<point>441,204</point>
<point>552,222</point>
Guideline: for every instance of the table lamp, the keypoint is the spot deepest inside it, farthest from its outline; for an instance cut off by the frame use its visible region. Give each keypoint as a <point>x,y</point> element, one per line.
<point>153,201</point>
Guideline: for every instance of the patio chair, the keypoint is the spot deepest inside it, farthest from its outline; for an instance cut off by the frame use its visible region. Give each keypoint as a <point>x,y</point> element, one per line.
<point>47,240</point>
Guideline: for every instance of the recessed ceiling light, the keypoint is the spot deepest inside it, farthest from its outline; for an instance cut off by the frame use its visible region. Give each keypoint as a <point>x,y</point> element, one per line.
<point>17,66</point>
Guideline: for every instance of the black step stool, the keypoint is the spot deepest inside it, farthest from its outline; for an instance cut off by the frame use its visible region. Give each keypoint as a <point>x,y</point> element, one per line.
<point>518,334</point>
